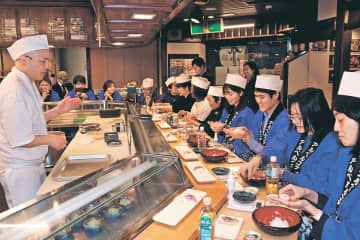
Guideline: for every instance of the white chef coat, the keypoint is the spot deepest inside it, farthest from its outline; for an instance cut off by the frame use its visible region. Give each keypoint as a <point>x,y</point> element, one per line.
<point>21,119</point>
<point>201,110</point>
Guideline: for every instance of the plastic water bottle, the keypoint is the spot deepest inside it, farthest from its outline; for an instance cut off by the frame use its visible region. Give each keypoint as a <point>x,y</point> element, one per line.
<point>201,139</point>
<point>272,176</point>
<point>207,216</point>
<point>230,185</point>
<point>216,140</point>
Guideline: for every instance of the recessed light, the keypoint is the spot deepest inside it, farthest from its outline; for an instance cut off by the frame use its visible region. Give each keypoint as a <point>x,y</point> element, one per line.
<point>239,26</point>
<point>141,16</point>
<point>210,17</point>
<point>118,43</point>
<point>135,35</point>
<point>51,46</point>
<point>210,9</point>
<point>228,15</point>
<point>186,19</point>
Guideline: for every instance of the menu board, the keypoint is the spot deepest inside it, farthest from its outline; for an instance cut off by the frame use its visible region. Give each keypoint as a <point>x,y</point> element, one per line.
<point>57,28</point>
<point>29,26</point>
<point>77,29</point>
<point>8,29</point>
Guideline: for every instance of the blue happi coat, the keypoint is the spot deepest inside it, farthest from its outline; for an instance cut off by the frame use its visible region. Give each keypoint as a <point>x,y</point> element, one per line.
<point>242,118</point>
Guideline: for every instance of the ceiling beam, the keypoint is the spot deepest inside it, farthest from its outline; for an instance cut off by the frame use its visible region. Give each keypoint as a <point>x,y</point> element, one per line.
<point>133,6</point>
<point>132,21</point>
<point>132,30</point>
<point>170,17</point>
<point>45,4</point>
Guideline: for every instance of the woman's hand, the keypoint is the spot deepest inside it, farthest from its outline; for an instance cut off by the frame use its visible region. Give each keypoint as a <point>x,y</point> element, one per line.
<point>108,96</point>
<point>249,169</point>
<point>45,94</point>
<point>241,133</point>
<point>216,126</point>
<point>84,96</point>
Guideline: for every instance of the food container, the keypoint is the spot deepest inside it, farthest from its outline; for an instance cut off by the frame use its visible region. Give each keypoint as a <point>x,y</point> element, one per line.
<point>109,113</point>
<point>253,190</point>
<point>194,139</point>
<point>93,225</point>
<point>244,197</point>
<point>264,216</point>
<point>252,235</point>
<point>214,155</point>
<point>258,180</point>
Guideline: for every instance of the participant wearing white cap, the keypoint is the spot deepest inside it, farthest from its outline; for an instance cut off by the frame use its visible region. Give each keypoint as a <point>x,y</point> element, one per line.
<point>339,217</point>
<point>201,108</point>
<point>184,101</point>
<point>217,103</point>
<point>23,133</point>
<point>269,119</point>
<point>170,95</point>
<point>149,93</point>
<point>236,113</point>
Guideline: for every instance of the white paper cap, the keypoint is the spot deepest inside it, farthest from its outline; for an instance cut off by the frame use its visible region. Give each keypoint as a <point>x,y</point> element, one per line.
<point>350,84</point>
<point>28,44</point>
<point>216,91</point>
<point>235,80</point>
<point>182,78</point>
<point>200,82</point>
<point>169,81</point>
<point>148,83</point>
<point>269,82</point>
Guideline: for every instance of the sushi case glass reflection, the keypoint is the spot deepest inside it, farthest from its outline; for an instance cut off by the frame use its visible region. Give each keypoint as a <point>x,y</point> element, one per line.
<point>113,203</point>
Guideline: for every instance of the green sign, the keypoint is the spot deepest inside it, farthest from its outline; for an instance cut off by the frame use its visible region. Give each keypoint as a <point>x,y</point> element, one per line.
<point>209,26</point>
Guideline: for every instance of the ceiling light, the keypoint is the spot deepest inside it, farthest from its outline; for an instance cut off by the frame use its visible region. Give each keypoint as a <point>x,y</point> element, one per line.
<point>197,15</point>
<point>135,35</point>
<point>143,16</point>
<point>118,43</point>
<point>186,19</point>
<point>210,17</point>
<point>210,9</point>
<point>239,26</point>
<point>201,2</point>
<point>268,6</point>
<point>51,46</point>
<point>228,15</point>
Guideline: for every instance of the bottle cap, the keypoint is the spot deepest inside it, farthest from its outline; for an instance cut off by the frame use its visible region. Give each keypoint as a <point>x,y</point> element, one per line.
<point>273,159</point>
<point>207,201</point>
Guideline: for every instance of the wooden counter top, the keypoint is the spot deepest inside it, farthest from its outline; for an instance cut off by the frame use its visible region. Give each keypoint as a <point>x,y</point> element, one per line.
<point>188,227</point>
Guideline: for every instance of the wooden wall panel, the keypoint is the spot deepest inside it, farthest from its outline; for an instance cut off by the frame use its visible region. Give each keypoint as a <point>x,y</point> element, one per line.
<point>123,65</point>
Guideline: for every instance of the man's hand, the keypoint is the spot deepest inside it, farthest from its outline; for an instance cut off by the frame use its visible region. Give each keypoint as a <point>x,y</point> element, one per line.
<point>57,142</point>
<point>68,104</point>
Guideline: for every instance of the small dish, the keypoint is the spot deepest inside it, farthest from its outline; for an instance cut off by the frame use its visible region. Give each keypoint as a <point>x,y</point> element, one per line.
<point>93,225</point>
<point>220,171</point>
<point>244,197</point>
<point>253,190</point>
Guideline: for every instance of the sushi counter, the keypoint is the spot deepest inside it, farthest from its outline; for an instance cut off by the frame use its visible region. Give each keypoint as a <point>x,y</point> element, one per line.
<point>142,188</point>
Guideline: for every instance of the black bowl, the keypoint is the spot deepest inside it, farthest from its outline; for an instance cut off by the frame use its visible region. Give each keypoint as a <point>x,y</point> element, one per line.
<point>220,171</point>
<point>244,197</point>
<point>264,215</point>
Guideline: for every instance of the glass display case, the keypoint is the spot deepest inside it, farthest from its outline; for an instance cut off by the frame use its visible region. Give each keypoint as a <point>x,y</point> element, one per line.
<point>112,203</point>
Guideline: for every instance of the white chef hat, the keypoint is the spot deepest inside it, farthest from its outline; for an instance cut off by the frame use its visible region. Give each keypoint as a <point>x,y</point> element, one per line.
<point>169,81</point>
<point>269,82</point>
<point>235,80</point>
<point>350,84</point>
<point>216,91</point>
<point>200,82</point>
<point>182,78</point>
<point>148,83</point>
<point>28,44</point>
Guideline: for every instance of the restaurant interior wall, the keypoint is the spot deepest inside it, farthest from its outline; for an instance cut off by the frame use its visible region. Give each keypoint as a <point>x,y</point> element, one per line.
<point>73,61</point>
<point>123,65</point>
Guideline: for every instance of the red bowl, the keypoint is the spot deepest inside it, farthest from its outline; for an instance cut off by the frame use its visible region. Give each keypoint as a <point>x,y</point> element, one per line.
<point>264,215</point>
<point>214,155</point>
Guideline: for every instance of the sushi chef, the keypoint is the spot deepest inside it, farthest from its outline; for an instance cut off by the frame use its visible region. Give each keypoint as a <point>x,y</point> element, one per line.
<point>23,136</point>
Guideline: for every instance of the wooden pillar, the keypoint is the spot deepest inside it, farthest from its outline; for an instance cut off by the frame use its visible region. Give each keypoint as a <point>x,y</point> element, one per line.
<point>163,61</point>
<point>342,50</point>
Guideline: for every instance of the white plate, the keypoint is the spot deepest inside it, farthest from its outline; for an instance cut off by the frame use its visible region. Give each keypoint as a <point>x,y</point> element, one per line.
<point>169,137</point>
<point>164,125</point>
<point>186,152</point>
<point>227,227</point>
<point>179,207</point>
<point>200,172</point>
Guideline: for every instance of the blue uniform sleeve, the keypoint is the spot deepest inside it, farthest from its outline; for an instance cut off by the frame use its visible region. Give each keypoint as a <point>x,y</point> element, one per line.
<point>289,177</point>
<point>90,95</point>
<point>54,97</point>
<point>72,93</point>
<point>117,96</point>
<point>101,96</point>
